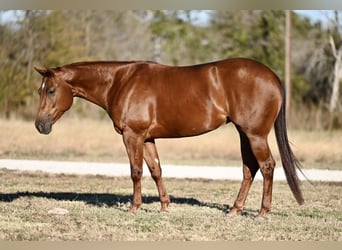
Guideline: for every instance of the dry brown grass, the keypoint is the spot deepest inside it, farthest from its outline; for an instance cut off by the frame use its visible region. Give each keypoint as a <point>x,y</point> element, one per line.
<point>95,140</point>
<point>96,209</point>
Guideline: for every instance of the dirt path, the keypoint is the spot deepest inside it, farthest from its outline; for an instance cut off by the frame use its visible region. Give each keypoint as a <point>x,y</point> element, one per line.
<point>172,171</point>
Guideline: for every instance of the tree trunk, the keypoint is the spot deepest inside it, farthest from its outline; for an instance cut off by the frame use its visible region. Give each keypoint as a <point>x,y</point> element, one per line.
<point>29,37</point>
<point>157,49</point>
<point>288,61</point>
<point>336,77</point>
<point>337,73</point>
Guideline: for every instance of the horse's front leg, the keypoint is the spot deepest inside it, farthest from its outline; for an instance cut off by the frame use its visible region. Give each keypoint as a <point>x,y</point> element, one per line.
<point>153,163</point>
<point>134,145</point>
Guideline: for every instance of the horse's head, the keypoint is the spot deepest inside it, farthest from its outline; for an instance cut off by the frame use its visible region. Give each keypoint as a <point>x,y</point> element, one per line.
<point>56,97</point>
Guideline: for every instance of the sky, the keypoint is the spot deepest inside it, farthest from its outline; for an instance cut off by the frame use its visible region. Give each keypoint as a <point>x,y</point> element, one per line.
<point>316,15</point>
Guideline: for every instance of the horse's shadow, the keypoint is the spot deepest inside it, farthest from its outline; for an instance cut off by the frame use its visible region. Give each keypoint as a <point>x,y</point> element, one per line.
<point>105,199</point>
<point>118,201</point>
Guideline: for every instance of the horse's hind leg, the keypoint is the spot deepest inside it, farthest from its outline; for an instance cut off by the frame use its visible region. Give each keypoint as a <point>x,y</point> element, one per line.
<point>266,162</point>
<point>250,168</point>
<point>153,163</point>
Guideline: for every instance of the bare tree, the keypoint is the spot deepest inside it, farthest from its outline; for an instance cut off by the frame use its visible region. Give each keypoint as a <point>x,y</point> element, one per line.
<point>288,59</point>
<point>337,53</point>
<point>337,74</point>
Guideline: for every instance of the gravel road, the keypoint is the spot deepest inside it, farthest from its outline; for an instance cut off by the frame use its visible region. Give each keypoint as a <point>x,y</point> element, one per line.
<point>172,171</point>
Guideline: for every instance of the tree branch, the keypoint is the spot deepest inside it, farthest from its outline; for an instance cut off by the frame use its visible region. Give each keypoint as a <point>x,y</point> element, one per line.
<point>333,46</point>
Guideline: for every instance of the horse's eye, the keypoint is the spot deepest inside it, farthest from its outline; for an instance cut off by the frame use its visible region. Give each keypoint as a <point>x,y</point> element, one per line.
<point>51,91</point>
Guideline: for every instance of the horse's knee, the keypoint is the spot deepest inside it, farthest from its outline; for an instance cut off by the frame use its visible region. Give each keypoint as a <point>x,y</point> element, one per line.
<point>156,173</point>
<point>136,173</point>
<point>267,167</point>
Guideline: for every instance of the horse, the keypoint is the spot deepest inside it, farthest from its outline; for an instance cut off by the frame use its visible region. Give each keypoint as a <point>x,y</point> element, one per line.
<point>147,101</point>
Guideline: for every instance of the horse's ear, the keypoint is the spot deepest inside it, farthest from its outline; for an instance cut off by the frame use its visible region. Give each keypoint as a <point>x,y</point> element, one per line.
<point>41,71</point>
<point>44,71</point>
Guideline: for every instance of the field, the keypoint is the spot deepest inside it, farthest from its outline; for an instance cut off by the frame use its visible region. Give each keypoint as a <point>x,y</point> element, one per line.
<point>94,140</point>
<point>37,206</point>
<point>47,207</point>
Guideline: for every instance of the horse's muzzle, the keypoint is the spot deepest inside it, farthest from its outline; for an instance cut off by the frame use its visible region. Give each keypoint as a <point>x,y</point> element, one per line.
<point>44,127</point>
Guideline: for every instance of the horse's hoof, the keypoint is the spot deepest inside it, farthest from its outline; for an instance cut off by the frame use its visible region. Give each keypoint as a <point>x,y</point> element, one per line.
<point>261,218</point>
<point>229,215</point>
<point>164,207</point>
<point>232,213</point>
<point>133,211</point>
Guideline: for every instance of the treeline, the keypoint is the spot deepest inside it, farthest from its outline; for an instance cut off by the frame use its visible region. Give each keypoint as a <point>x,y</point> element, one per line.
<point>54,38</point>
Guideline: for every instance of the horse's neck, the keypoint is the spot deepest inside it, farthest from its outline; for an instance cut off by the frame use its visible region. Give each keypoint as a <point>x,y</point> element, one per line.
<point>91,86</point>
<point>93,81</point>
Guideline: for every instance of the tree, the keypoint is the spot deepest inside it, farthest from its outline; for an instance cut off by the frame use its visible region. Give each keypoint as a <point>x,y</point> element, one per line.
<point>176,40</point>
<point>288,60</point>
<point>53,38</point>
<point>35,37</point>
<point>13,60</point>
<point>335,40</point>
<point>252,34</point>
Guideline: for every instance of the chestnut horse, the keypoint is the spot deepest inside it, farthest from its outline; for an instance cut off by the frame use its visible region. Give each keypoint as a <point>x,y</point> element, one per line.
<point>147,100</point>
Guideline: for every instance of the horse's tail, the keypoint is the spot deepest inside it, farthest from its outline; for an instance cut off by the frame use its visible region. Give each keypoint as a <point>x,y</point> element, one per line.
<point>288,159</point>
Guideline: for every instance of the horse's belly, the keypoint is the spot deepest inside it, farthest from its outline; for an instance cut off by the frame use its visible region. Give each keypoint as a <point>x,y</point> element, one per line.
<point>187,124</point>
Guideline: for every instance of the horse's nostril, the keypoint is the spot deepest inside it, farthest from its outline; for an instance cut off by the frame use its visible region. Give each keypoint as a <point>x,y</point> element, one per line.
<point>40,127</point>
<point>43,127</point>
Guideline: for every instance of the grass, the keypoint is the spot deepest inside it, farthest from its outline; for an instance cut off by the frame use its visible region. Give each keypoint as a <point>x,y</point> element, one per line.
<point>95,140</point>
<point>96,209</point>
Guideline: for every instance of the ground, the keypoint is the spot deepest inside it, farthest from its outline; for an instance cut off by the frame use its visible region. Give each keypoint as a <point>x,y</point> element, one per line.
<point>40,206</point>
